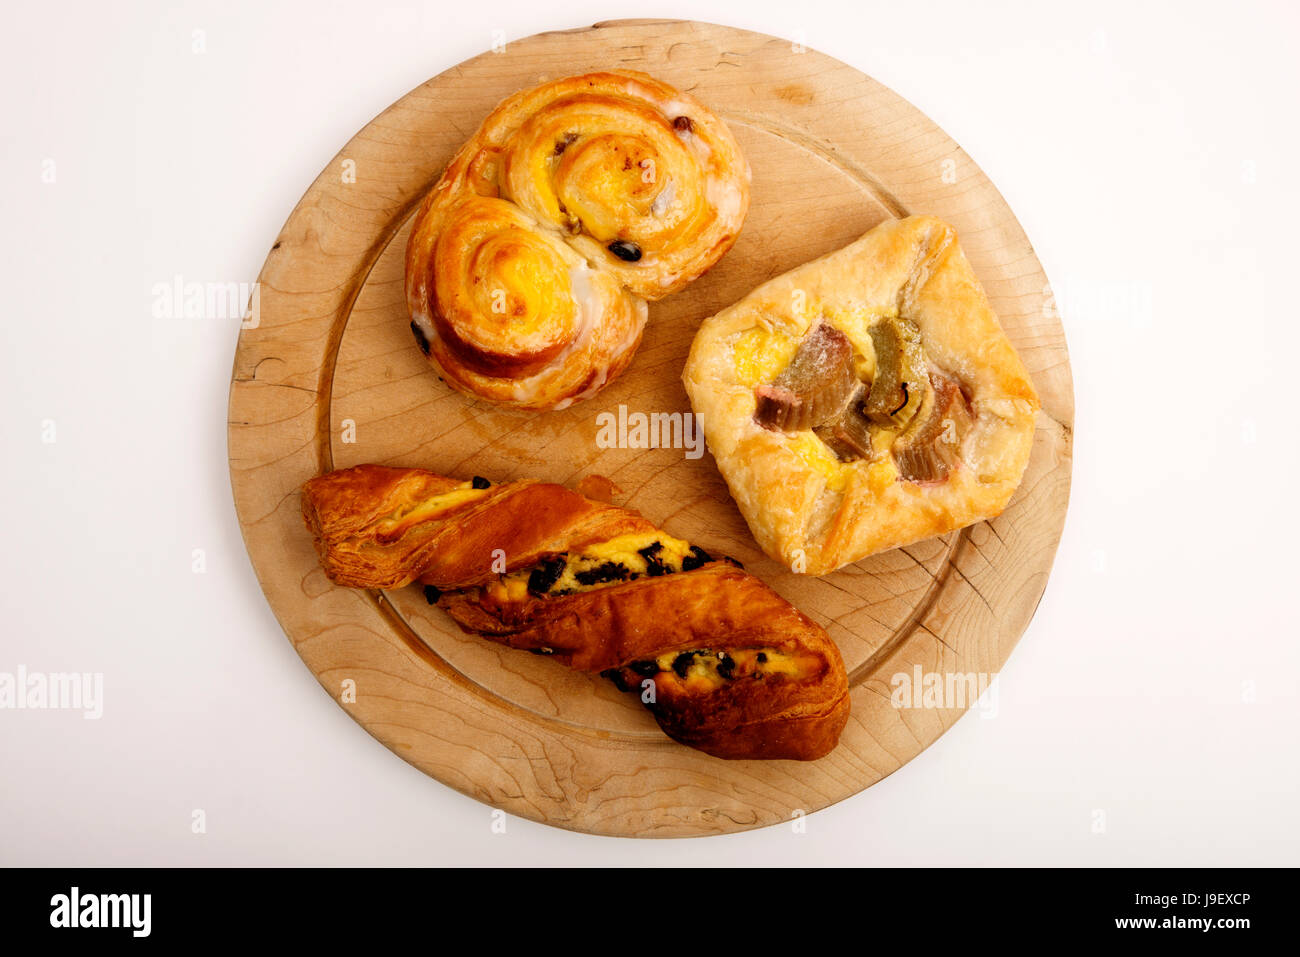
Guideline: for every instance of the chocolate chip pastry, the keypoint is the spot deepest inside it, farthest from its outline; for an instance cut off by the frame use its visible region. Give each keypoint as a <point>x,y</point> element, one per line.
<point>723,663</point>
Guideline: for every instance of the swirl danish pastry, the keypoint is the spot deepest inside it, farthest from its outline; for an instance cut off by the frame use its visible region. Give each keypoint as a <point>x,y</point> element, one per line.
<point>724,664</point>
<point>864,401</point>
<point>530,261</point>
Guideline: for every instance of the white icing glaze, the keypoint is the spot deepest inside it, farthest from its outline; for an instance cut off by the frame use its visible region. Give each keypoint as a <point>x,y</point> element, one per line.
<point>664,201</point>
<point>725,197</point>
<point>587,299</point>
<point>674,108</point>
<point>702,150</point>
<point>424,321</point>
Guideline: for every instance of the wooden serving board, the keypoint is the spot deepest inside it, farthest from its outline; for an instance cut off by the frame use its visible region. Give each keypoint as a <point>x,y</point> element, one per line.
<point>330,377</point>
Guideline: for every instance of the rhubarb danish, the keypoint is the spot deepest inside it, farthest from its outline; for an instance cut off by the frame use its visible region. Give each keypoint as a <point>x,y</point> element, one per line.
<point>530,261</point>
<point>723,663</point>
<point>864,401</point>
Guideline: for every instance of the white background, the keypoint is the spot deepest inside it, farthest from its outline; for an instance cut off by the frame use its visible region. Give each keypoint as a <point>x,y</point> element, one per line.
<point>1150,152</point>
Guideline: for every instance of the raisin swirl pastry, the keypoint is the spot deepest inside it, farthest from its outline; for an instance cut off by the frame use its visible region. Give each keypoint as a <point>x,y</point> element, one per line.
<point>864,401</point>
<point>724,664</point>
<point>530,261</point>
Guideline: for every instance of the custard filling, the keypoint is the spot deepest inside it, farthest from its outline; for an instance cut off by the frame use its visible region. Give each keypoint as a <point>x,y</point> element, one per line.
<point>891,408</point>
<point>706,670</point>
<point>403,519</point>
<point>621,559</point>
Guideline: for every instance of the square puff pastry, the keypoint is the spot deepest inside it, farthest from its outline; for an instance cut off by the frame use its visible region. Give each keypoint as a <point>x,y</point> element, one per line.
<point>808,508</point>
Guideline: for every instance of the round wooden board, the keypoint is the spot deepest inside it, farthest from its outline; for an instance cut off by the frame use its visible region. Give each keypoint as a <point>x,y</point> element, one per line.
<point>330,377</point>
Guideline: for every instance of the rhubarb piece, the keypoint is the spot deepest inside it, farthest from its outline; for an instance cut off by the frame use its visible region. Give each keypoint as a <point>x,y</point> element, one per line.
<point>928,450</point>
<point>814,388</point>
<point>848,435</point>
<point>898,388</point>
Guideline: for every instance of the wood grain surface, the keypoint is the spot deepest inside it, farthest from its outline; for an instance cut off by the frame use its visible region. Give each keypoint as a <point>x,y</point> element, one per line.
<point>329,376</point>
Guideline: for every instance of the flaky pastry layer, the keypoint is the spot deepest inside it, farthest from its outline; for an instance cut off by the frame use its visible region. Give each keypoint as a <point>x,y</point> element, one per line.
<point>805,506</point>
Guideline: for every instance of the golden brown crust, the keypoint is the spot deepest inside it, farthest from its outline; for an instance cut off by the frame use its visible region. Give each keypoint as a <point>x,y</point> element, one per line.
<point>381,527</point>
<point>717,606</point>
<point>513,282</point>
<point>525,520</point>
<point>805,507</point>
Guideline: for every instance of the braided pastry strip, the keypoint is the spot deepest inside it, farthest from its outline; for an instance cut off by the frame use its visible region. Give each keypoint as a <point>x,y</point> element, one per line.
<point>724,664</point>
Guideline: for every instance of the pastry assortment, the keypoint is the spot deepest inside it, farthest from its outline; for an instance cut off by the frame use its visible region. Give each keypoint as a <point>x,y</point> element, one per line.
<point>864,401</point>
<point>530,261</point>
<point>858,403</point>
<point>723,663</point>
